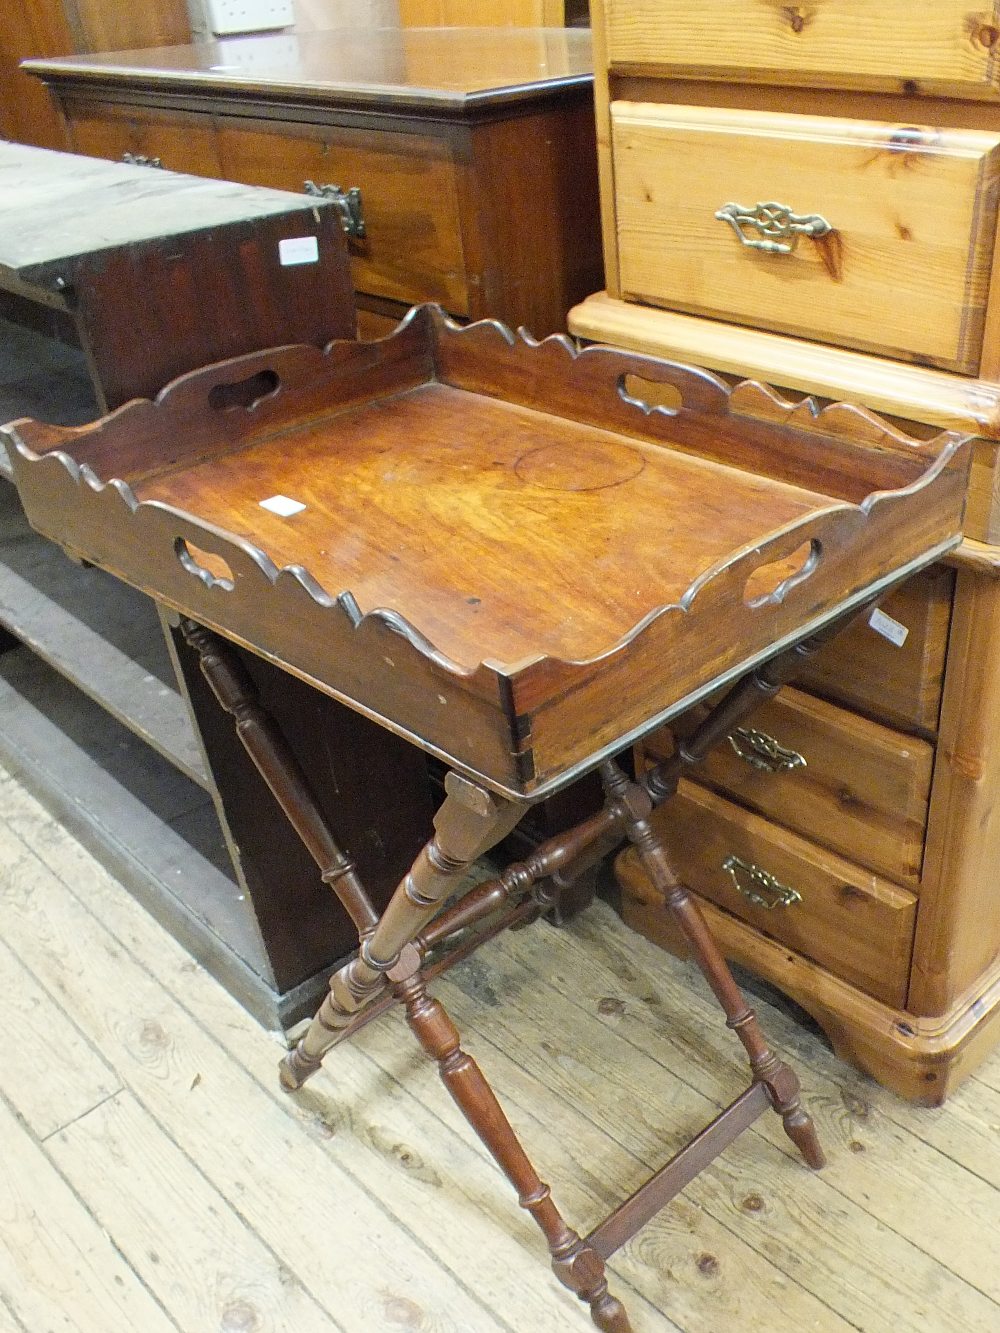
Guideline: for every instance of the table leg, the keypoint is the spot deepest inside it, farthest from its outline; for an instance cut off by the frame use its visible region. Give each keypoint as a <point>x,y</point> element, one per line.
<point>470,821</point>
<point>576,1263</point>
<point>779,1079</point>
<point>266,745</point>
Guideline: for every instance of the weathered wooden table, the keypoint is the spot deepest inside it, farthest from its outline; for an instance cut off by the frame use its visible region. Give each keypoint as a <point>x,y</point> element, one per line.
<point>155,272</point>
<point>496,549</point>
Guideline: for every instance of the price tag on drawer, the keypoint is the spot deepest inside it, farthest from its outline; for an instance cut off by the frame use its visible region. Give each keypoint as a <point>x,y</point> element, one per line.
<point>889,629</point>
<point>298,250</point>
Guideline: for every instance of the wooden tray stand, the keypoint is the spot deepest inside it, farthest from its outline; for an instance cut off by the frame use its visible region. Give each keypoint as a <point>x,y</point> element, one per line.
<point>392,963</point>
<point>779,523</point>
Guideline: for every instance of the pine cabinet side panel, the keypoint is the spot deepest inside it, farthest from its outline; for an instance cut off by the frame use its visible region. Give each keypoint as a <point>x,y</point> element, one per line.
<point>605,163</point>
<point>958,921</point>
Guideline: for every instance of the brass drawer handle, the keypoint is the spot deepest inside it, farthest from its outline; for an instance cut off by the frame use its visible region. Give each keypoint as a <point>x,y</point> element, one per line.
<point>763,752</point>
<point>141,160</point>
<point>779,227</point>
<point>757,886</point>
<point>347,203</point>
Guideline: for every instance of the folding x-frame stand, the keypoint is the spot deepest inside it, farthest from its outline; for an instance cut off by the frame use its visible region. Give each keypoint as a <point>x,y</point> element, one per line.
<point>393,965</point>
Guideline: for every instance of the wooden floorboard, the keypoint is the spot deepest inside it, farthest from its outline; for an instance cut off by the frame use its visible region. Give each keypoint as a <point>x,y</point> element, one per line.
<point>58,1268</point>
<point>152,1177</point>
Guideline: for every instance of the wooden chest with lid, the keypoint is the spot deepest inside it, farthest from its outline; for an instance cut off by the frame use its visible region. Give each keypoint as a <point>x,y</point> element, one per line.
<point>219,267</point>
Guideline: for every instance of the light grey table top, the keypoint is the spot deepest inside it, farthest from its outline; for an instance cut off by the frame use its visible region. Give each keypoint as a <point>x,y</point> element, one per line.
<point>55,207</point>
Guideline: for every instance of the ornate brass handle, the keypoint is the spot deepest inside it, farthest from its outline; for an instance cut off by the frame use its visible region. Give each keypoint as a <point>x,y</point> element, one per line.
<point>141,160</point>
<point>779,227</point>
<point>757,886</point>
<point>347,202</point>
<point>762,751</point>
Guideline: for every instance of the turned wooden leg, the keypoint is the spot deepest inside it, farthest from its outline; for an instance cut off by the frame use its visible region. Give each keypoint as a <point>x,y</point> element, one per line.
<point>470,821</point>
<point>356,984</point>
<point>273,758</point>
<point>576,1264</point>
<point>779,1079</point>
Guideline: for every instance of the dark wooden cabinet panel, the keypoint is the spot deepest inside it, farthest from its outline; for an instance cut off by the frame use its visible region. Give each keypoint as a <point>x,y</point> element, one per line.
<point>411,249</point>
<point>27,114</point>
<point>177,141</point>
<point>110,25</point>
<point>33,28</point>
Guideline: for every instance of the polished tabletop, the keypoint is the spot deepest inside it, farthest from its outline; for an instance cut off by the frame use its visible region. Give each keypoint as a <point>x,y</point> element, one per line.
<point>457,68</point>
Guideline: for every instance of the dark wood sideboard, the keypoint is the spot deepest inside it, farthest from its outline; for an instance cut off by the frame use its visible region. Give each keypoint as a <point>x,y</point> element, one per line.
<point>463,160</point>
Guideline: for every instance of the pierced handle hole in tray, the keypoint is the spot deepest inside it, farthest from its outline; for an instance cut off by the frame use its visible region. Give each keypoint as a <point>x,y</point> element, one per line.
<point>648,394</point>
<point>773,581</point>
<point>211,569</point>
<point>245,394</point>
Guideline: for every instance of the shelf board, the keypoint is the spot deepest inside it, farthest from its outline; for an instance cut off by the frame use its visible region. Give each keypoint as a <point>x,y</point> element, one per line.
<point>41,375</point>
<point>149,825</point>
<point>97,632</point>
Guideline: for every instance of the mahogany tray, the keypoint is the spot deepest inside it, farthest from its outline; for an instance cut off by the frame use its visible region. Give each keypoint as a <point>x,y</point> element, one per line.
<point>499,549</point>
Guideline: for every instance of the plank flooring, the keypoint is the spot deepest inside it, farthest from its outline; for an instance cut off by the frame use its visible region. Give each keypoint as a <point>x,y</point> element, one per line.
<point>153,1178</point>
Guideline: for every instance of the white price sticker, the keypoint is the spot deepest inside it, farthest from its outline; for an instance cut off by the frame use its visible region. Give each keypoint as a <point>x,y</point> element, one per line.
<point>298,250</point>
<point>282,505</point>
<point>889,629</point>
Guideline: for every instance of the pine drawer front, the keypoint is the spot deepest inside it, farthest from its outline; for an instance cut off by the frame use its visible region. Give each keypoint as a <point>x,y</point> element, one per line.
<point>411,249</point>
<point>855,925</point>
<point>940,46</point>
<point>892,227</point>
<point>893,682</point>
<point>852,785</point>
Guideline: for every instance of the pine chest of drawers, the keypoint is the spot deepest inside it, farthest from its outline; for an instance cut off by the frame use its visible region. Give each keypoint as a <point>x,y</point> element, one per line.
<point>808,195</point>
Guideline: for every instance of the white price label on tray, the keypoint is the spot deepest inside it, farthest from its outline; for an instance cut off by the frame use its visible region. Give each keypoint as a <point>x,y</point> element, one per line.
<point>282,505</point>
<point>889,629</point>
